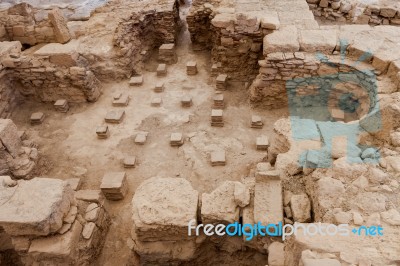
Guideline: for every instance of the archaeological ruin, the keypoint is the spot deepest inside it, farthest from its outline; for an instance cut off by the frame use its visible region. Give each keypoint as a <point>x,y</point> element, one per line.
<point>200,132</point>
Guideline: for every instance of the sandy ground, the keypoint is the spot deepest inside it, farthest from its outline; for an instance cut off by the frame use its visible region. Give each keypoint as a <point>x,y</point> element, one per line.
<point>69,146</point>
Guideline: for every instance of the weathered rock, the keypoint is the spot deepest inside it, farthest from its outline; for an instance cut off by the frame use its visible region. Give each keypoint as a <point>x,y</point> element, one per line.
<point>9,136</point>
<point>58,246</point>
<point>283,40</point>
<point>276,254</point>
<point>241,194</point>
<point>43,203</point>
<point>162,209</point>
<point>220,205</point>
<point>301,208</point>
<point>59,23</point>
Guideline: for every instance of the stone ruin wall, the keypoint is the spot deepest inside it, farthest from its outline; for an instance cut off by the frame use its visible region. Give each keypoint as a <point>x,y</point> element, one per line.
<point>7,94</point>
<point>353,11</point>
<point>140,33</point>
<point>32,26</point>
<point>50,74</point>
<point>297,59</point>
<point>235,40</point>
<point>67,71</point>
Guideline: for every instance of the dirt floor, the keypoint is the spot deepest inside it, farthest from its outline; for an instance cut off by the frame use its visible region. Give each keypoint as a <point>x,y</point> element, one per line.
<point>69,146</point>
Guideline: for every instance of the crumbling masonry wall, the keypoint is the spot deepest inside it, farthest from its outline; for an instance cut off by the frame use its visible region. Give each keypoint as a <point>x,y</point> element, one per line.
<point>144,31</point>
<point>54,71</point>
<point>31,26</point>
<point>358,12</point>
<point>291,58</point>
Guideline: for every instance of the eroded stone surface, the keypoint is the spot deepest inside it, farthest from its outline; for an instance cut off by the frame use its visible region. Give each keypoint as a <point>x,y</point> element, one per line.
<point>35,207</point>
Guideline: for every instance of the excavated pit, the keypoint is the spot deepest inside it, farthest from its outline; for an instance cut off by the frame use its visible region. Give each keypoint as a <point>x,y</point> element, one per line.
<point>309,131</point>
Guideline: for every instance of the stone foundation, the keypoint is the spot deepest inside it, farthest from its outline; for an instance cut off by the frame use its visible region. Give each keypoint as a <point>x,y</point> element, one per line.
<point>64,231</point>
<point>354,11</point>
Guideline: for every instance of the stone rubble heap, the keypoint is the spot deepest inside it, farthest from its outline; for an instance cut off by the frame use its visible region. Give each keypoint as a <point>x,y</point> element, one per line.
<point>18,157</point>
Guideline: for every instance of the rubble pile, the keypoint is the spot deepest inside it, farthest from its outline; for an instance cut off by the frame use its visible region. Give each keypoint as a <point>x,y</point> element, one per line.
<point>18,157</point>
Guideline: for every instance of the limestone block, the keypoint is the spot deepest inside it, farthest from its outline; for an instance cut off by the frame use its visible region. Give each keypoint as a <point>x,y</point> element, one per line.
<point>35,207</point>
<point>162,209</point>
<point>301,208</point>
<point>318,40</point>
<point>58,246</point>
<point>220,205</point>
<point>283,40</point>
<point>9,136</point>
<point>59,23</point>
<point>90,196</point>
<point>388,12</point>
<point>241,194</point>
<point>351,247</point>
<point>223,20</point>
<point>60,54</point>
<point>270,20</point>
<point>268,207</point>
<point>318,262</point>
<point>276,254</point>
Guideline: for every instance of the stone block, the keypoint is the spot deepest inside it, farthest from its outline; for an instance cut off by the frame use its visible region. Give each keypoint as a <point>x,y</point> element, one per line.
<point>276,254</point>
<point>283,40</point>
<point>220,206</point>
<point>262,143</point>
<point>74,183</point>
<point>115,116</point>
<point>162,209</point>
<point>37,118</point>
<point>35,207</point>
<point>90,195</point>
<point>18,30</point>
<point>59,23</point>
<point>103,132</point>
<point>156,102</point>
<point>223,20</point>
<point>162,70</point>
<point>9,136</point>
<point>141,138</point>
<point>218,158</point>
<point>318,40</point>
<point>268,207</point>
<point>130,162</point>
<point>270,20</point>
<point>57,246</point>
<point>122,101</point>
<point>136,80</point>
<point>65,55</point>
<point>301,208</point>
<point>114,185</point>
<point>176,139</point>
